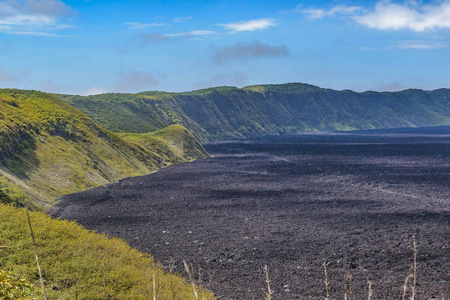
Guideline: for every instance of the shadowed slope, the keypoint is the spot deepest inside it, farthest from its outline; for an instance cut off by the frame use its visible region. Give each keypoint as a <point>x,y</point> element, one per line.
<point>49,148</point>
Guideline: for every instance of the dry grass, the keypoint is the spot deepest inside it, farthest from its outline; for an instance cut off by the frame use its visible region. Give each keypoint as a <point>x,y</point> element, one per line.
<point>269,292</point>
<point>369,296</point>
<point>406,286</point>
<point>327,284</point>
<point>190,272</point>
<point>36,254</point>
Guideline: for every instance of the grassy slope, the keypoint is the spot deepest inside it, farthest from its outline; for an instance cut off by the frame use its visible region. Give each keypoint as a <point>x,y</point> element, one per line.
<point>174,143</point>
<point>77,261</point>
<point>49,148</point>
<point>227,112</point>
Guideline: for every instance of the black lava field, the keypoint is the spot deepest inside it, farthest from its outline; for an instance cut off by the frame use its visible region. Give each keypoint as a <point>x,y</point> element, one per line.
<point>351,200</point>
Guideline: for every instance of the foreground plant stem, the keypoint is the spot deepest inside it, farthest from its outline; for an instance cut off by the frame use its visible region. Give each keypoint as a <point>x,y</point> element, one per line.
<point>327,288</point>
<point>191,279</point>
<point>35,253</point>
<point>269,290</point>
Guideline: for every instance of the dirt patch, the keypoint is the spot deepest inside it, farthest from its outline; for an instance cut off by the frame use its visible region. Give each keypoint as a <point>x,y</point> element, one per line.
<point>292,203</point>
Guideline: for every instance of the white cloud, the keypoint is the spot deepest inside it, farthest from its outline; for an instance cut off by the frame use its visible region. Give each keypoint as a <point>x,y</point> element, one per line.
<point>33,17</point>
<point>182,19</point>
<point>346,10</point>
<point>425,45</point>
<point>137,25</point>
<point>251,25</point>
<point>193,33</point>
<point>408,15</point>
<point>35,33</point>
<point>317,13</point>
<point>392,15</point>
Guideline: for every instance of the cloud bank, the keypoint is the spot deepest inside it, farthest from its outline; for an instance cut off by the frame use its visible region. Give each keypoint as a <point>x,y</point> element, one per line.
<point>317,13</point>
<point>409,15</point>
<point>251,25</point>
<point>33,17</point>
<point>391,15</point>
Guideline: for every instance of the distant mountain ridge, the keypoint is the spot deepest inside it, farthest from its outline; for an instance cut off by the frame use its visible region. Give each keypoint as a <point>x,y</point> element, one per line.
<point>228,112</point>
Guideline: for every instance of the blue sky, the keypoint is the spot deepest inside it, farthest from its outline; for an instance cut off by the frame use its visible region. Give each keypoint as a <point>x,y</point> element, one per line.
<point>88,47</point>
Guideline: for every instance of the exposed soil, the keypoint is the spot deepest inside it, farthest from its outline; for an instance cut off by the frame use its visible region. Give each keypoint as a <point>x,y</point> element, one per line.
<point>293,202</point>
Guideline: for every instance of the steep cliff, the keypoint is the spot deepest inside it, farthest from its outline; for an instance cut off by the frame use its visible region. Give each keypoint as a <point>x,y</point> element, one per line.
<point>228,112</point>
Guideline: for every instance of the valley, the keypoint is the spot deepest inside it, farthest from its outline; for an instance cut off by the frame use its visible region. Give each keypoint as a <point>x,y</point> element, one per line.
<point>353,200</point>
<point>232,150</point>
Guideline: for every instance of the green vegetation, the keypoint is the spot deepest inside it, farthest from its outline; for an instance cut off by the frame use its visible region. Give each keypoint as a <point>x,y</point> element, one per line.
<point>49,148</point>
<point>125,113</point>
<point>79,263</point>
<point>173,144</point>
<point>13,288</point>
<point>228,112</point>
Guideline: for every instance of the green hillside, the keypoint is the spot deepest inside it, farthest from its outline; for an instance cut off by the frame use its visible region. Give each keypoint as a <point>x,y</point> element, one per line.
<point>228,112</point>
<point>174,144</point>
<point>49,148</point>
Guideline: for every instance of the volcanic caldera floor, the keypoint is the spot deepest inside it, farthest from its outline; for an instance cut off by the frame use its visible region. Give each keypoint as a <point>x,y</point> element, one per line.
<point>352,200</point>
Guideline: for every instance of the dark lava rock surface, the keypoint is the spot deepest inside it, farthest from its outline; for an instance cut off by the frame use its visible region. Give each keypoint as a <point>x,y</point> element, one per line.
<point>352,200</point>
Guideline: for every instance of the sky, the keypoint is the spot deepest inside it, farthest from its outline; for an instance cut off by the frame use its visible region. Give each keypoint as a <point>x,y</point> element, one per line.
<point>89,47</point>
